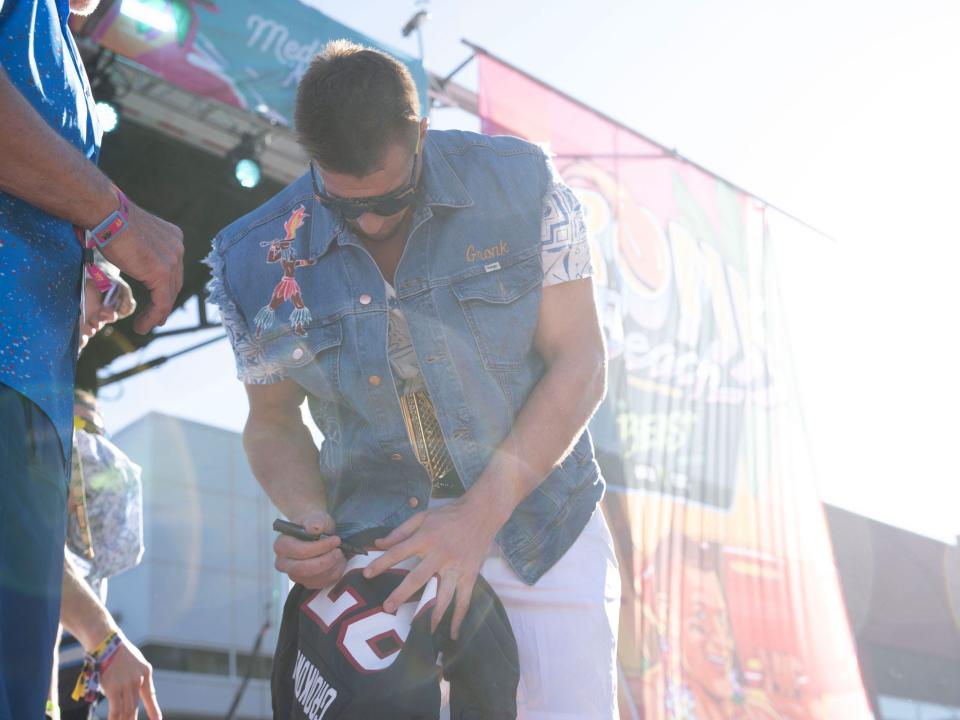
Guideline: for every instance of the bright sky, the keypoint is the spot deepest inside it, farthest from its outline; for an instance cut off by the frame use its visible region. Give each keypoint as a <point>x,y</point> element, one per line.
<point>842,113</point>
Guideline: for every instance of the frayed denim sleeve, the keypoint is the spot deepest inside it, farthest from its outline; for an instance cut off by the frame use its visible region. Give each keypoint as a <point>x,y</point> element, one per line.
<point>253,368</point>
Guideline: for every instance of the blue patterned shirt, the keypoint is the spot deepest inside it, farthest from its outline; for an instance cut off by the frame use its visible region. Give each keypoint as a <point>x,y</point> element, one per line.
<point>40,258</point>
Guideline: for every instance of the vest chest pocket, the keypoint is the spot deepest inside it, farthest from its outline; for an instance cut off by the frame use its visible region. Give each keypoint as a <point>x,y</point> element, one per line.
<point>312,360</point>
<point>501,308</point>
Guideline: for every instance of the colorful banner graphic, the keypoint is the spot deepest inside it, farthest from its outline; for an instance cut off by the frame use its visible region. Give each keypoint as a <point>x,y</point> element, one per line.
<point>241,52</point>
<point>732,608</point>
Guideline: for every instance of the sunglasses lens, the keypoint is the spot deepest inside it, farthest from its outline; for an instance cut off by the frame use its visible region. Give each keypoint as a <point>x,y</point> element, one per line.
<point>383,208</point>
<point>351,211</point>
<point>386,208</point>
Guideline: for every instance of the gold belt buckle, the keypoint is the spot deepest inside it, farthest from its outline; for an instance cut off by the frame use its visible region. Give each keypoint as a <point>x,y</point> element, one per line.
<point>423,429</point>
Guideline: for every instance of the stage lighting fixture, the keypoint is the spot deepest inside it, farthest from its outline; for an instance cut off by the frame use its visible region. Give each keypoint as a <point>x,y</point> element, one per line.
<point>247,172</point>
<point>108,115</point>
<point>415,22</point>
<point>151,14</point>
<point>243,161</point>
<point>105,93</point>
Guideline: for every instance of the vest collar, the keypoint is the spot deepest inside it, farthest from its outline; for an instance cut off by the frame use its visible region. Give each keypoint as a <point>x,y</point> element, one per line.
<point>440,185</point>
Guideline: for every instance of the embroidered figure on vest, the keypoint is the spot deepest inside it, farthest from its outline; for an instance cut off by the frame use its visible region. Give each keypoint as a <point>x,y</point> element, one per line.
<point>287,289</point>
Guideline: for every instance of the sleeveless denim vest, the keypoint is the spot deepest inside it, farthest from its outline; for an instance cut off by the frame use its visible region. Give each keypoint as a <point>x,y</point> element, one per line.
<point>469,284</point>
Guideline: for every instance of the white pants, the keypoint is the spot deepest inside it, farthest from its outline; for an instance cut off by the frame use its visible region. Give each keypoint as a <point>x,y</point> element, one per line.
<point>566,629</point>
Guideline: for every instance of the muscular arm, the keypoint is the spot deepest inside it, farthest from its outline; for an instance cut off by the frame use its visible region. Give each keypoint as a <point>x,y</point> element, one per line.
<point>453,540</point>
<point>41,168</point>
<point>81,612</point>
<point>285,461</point>
<point>280,449</point>
<point>45,170</point>
<point>570,340</point>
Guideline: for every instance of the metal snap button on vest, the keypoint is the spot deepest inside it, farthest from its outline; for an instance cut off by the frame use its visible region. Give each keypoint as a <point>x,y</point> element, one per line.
<point>298,353</point>
<point>365,299</point>
<point>374,380</point>
<point>413,502</point>
<point>396,457</point>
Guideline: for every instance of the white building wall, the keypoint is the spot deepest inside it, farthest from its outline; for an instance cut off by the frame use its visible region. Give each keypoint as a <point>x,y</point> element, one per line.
<point>206,582</point>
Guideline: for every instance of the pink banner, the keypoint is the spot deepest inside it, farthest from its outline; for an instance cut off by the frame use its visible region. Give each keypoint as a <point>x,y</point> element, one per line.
<point>732,607</point>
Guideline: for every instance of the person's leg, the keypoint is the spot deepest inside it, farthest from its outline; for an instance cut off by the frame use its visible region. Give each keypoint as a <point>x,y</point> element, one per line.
<point>566,630</point>
<point>33,506</point>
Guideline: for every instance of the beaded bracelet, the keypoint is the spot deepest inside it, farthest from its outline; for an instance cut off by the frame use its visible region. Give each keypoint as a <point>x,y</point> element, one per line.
<point>95,663</point>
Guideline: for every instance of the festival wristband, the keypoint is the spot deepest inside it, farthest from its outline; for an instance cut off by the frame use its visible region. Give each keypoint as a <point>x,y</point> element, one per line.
<point>94,271</point>
<point>95,663</point>
<point>102,235</point>
<point>112,226</point>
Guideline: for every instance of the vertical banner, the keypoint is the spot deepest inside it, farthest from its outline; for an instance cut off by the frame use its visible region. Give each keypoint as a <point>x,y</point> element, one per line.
<point>732,607</point>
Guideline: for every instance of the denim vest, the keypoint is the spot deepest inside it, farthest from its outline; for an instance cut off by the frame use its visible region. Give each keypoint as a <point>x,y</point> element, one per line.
<point>469,284</point>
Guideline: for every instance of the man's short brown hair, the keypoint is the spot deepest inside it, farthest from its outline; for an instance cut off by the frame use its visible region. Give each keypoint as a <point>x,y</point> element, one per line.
<point>353,103</point>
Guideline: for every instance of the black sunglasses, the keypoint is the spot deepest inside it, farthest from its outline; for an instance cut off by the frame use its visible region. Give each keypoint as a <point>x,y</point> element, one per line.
<point>384,205</point>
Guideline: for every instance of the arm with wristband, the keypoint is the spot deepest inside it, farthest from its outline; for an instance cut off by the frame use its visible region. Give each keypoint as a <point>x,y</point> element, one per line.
<point>112,664</point>
<point>43,169</point>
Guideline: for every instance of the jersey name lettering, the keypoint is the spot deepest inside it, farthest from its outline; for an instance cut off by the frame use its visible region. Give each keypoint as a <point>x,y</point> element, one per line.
<point>313,692</point>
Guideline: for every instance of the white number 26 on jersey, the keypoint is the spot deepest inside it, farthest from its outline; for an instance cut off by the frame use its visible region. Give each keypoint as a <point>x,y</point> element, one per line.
<point>370,640</point>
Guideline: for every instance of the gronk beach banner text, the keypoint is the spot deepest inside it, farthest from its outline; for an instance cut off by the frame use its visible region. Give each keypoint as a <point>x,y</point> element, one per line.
<point>732,608</point>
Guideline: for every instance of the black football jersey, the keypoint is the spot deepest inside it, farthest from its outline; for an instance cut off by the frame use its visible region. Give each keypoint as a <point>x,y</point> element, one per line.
<point>340,656</point>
